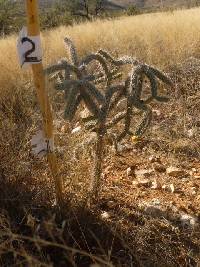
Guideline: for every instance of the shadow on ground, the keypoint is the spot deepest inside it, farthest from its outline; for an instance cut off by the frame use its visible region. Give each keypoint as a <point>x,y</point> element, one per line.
<point>36,234</point>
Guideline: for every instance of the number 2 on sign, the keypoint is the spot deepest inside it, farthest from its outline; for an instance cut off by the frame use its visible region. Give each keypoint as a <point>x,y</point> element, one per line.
<point>29,48</point>
<point>27,57</point>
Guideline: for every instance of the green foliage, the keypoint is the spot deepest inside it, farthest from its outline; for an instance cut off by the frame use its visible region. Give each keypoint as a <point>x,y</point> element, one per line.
<point>12,14</point>
<point>10,17</point>
<point>85,8</point>
<point>132,11</point>
<point>55,16</point>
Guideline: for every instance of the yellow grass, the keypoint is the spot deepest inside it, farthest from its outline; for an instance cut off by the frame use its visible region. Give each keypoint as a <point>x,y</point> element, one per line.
<point>162,39</point>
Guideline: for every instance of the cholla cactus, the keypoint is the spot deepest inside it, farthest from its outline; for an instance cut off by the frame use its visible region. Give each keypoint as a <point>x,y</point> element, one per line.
<point>101,93</point>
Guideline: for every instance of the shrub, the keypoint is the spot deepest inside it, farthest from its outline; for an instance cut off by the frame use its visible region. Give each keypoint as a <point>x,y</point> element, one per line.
<point>53,17</point>
<point>132,11</point>
<point>10,17</point>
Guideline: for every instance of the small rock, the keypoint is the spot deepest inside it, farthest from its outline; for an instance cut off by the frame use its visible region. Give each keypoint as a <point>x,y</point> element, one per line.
<point>143,193</point>
<point>191,173</point>
<point>130,172</point>
<point>174,171</point>
<point>185,180</point>
<point>159,168</point>
<point>156,202</point>
<point>191,133</point>
<point>172,188</point>
<point>164,187</point>
<point>154,158</point>
<point>157,210</point>
<point>169,188</point>
<point>84,114</point>
<point>64,129</point>
<point>154,209</point>
<point>105,215</point>
<point>194,170</point>
<point>76,130</point>
<point>193,190</point>
<point>108,169</point>
<point>124,147</point>
<point>144,173</point>
<point>157,112</point>
<point>156,185</point>
<point>111,204</point>
<point>135,183</point>
<point>144,182</point>
<point>129,147</point>
<point>188,220</point>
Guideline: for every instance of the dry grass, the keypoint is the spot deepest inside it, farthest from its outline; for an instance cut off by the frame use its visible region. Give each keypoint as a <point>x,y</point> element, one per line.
<point>162,39</point>
<point>32,231</point>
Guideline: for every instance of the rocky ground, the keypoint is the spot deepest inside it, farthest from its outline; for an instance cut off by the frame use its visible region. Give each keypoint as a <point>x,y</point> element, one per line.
<point>148,211</point>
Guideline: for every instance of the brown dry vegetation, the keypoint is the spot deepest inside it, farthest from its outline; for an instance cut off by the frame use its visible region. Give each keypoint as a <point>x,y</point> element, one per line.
<point>32,230</point>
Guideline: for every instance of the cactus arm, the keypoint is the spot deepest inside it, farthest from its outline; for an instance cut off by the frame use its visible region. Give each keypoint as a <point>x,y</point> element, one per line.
<point>118,62</point>
<point>62,66</point>
<point>95,57</point>
<point>72,51</point>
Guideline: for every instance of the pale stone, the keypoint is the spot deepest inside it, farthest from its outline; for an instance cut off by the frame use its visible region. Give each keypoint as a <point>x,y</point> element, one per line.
<point>144,182</point>
<point>135,183</point>
<point>188,220</point>
<point>156,184</point>
<point>84,114</point>
<point>129,172</point>
<point>157,112</point>
<point>154,158</point>
<point>105,215</point>
<point>174,171</point>
<point>144,173</point>
<point>76,130</point>
<point>159,168</point>
<point>191,132</point>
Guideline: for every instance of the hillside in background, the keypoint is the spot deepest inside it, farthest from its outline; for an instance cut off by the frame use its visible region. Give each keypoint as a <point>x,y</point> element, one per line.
<point>124,4</point>
<point>152,3</point>
<point>156,3</point>
<point>147,4</point>
<point>107,4</point>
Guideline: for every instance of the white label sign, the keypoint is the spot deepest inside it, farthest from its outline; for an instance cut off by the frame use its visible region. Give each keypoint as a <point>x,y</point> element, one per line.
<point>41,145</point>
<point>29,49</point>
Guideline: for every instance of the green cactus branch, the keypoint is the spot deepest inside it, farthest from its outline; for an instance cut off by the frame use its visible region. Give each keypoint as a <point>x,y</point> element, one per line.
<point>72,51</point>
<point>101,93</point>
<point>126,60</point>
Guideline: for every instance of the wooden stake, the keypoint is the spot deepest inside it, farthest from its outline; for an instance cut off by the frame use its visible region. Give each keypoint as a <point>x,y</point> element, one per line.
<point>33,28</point>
